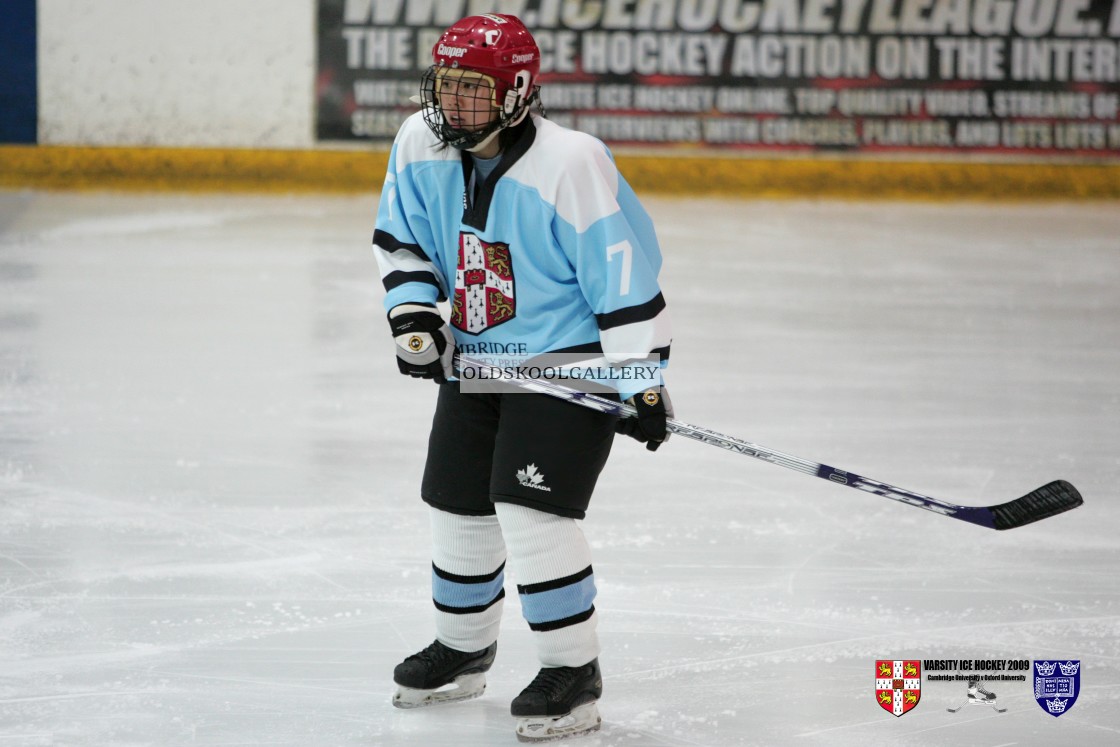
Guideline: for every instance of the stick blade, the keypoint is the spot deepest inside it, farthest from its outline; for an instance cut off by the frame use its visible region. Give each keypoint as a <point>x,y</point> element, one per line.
<point>1049,500</point>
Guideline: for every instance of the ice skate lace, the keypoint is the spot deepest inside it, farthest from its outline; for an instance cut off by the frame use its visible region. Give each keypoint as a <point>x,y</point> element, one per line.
<point>436,654</point>
<point>554,681</point>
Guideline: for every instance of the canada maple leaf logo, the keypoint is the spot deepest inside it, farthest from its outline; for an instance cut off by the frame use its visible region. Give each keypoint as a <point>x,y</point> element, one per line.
<point>530,476</point>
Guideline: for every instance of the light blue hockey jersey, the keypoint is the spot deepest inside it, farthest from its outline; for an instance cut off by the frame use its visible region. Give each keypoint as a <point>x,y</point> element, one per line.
<point>552,254</point>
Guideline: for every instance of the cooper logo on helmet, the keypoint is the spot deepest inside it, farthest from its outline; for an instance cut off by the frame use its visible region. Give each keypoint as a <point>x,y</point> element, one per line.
<point>447,51</point>
<point>520,58</point>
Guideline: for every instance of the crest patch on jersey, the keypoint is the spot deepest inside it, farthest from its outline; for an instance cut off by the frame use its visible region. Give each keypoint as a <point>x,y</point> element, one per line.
<point>484,295</point>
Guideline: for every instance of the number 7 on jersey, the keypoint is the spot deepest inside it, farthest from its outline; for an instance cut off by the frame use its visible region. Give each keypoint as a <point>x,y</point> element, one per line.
<point>627,252</point>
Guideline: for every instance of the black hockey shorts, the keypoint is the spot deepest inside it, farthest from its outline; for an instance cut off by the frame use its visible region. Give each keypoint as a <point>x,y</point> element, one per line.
<point>529,449</point>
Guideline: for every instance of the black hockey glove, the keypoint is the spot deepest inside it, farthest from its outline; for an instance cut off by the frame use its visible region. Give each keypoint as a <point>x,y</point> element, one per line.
<point>654,408</point>
<point>425,346</point>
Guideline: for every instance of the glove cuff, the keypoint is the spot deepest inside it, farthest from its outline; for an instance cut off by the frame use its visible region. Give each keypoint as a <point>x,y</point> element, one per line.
<point>410,308</point>
<point>413,317</point>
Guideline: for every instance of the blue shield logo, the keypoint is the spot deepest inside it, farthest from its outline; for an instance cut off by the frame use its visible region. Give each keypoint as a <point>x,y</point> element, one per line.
<point>1056,685</point>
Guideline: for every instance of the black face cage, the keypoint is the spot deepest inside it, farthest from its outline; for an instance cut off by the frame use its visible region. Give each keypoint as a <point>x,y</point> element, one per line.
<point>463,139</point>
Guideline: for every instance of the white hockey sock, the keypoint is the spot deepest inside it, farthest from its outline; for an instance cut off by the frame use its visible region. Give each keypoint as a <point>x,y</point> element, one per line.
<point>468,572</point>
<point>552,562</point>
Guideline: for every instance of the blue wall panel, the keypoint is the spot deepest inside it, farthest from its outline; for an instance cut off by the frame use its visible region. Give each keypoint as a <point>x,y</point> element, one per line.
<point>19,99</point>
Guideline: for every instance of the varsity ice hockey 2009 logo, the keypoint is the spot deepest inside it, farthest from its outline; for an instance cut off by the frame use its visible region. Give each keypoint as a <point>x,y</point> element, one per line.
<point>1056,684</point>
<point>898,685</point>
<point>484,295</point>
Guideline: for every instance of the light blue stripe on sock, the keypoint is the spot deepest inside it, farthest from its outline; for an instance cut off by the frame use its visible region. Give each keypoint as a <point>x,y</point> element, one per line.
<point>557,604</point>
<point>454,594</point>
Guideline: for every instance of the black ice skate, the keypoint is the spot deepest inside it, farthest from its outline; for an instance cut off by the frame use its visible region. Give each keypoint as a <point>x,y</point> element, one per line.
<point>439,674</point>
<point>558,703</point>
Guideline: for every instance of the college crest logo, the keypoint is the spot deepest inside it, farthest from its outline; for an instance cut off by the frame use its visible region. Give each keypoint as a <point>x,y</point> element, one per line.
<point>1056,685</point>
<point>898,685</point>
<point>484,296</point>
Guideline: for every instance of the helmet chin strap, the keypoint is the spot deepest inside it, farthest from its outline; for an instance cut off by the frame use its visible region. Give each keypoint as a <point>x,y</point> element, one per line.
<point>486,141</point>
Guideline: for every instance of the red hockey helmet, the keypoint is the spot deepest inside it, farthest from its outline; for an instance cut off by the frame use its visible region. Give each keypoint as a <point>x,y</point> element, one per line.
<point>506,58</point>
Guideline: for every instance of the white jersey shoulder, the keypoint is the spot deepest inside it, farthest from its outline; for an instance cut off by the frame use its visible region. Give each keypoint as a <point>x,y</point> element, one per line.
<point>573,171</point>
<point>415,142</point>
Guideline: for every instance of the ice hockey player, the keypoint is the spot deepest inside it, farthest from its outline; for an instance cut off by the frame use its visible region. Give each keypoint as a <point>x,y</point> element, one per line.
<point>541,247</point>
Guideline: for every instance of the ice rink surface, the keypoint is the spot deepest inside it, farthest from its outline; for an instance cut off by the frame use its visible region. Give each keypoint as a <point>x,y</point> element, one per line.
<point>210,530</point>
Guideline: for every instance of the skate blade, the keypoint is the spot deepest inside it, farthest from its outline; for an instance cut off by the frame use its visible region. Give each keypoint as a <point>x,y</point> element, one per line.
<point>465,687</point>
<point>583,719</point>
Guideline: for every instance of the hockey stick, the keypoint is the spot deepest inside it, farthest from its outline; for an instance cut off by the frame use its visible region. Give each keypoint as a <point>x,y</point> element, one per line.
<point>1049,500</point>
